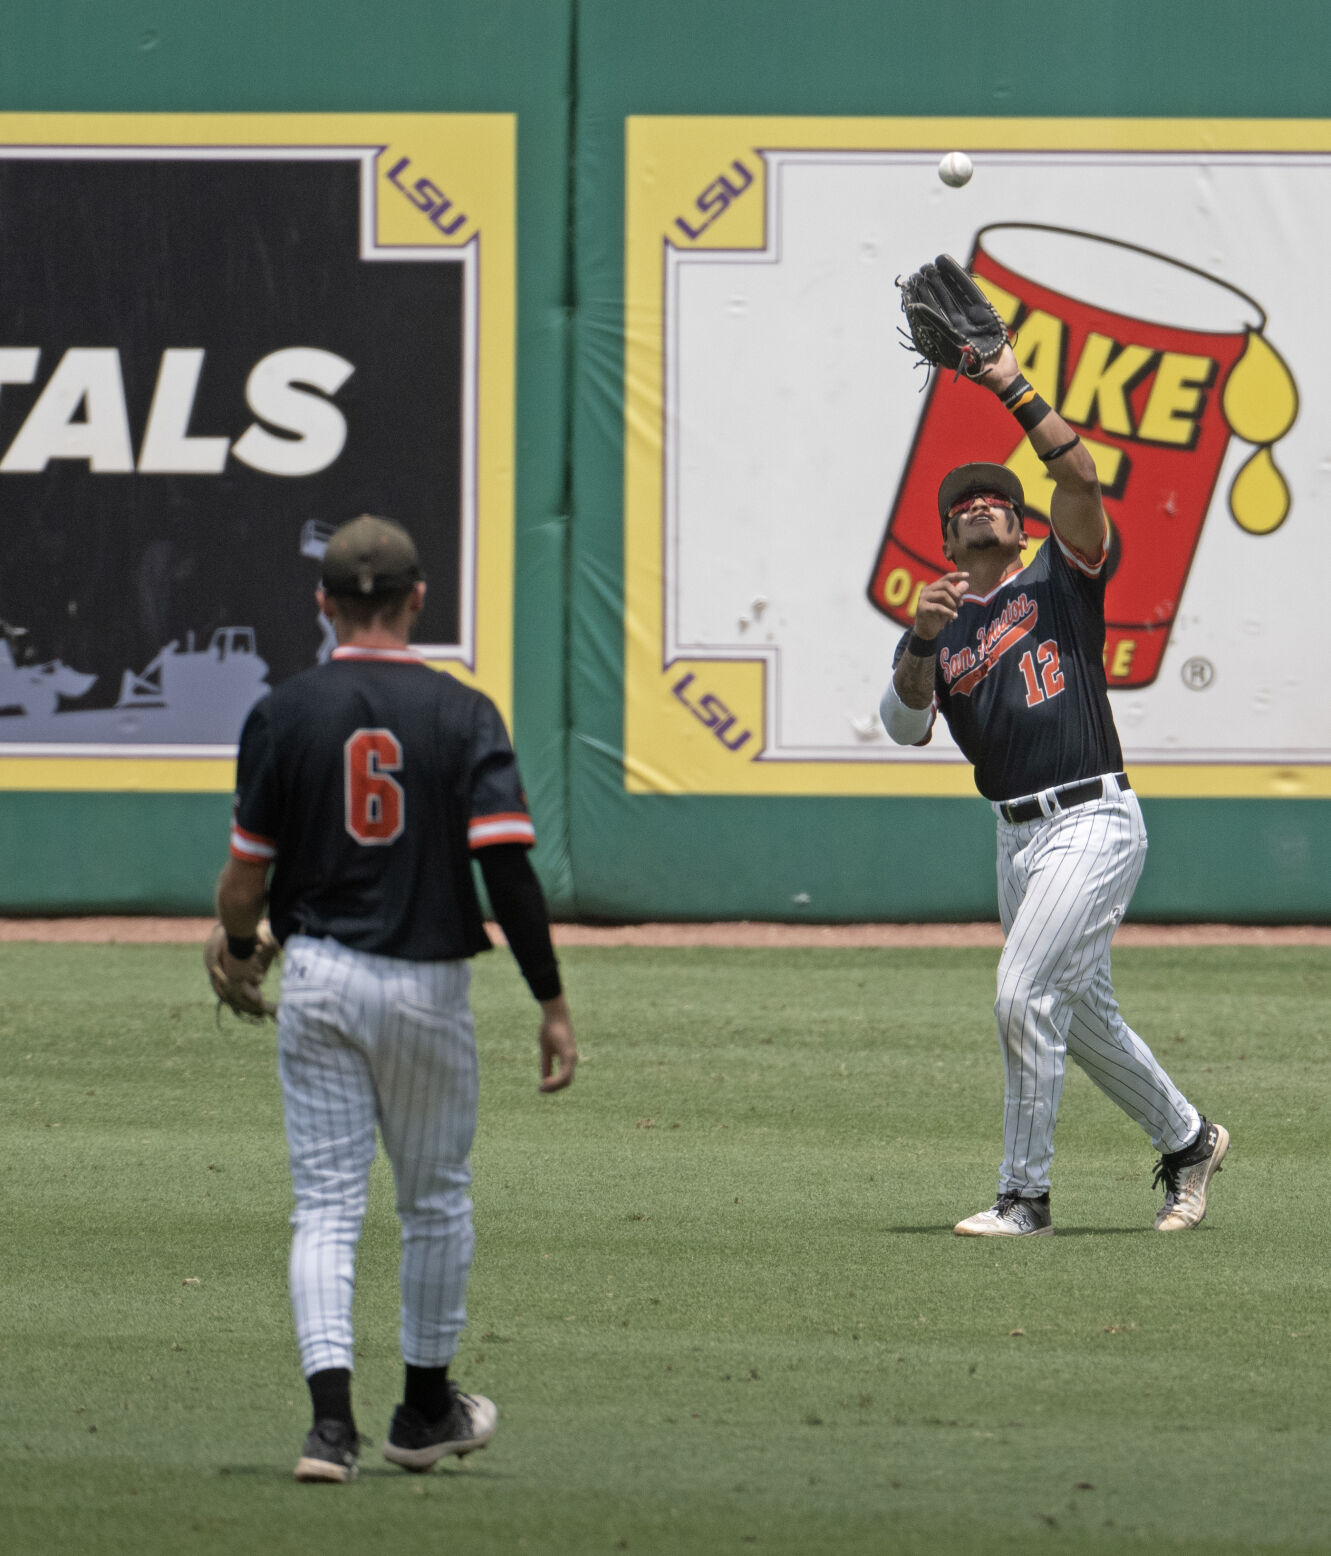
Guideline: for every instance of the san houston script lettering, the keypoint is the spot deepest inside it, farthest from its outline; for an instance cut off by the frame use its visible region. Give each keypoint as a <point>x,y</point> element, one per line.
<point>992,640</point>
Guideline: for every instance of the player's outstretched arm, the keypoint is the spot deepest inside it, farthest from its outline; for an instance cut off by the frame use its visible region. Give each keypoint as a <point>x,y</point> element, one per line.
<point>1076,510</point>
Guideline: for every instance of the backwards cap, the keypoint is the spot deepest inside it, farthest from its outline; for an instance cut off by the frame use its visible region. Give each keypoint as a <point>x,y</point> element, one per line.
<point>370,556</point>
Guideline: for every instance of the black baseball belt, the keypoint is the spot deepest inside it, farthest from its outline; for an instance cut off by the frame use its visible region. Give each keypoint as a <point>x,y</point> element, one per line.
<point>1063,798</point>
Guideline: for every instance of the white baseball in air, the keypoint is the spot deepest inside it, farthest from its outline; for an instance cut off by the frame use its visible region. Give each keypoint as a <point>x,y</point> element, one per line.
<point>955,169</point>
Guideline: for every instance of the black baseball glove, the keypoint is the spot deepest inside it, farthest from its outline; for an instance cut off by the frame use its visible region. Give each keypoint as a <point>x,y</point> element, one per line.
<point>951,322</point>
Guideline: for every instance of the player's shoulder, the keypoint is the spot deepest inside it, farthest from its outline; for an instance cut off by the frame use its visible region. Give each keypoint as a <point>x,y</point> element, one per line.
<point>459,697</point>
<point>1039,567</point>
<point>406,682</point>
<point>1046,563</point>
<point>1063,559</point>
<point>298,691</point>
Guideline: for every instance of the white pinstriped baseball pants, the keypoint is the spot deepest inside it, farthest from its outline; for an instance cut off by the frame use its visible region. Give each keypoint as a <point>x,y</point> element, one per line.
<point>364,1042</point>
<point>1064,883</point>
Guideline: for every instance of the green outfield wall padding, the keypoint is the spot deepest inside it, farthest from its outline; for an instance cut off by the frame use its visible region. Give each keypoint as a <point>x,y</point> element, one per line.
<point>137,853</point>
<point>848,860</point>
<point>112,853</point>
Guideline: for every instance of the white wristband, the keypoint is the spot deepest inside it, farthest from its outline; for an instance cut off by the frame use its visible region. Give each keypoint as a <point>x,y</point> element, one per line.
<point>907,726</point>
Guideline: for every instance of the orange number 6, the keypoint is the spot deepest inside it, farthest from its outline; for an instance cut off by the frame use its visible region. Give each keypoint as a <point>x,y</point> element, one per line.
<point>374,800</point>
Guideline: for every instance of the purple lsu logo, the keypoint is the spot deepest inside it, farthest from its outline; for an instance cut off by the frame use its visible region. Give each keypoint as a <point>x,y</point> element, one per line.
<point>716,198</point>
<point>427,197</point>
<point>712,713</point>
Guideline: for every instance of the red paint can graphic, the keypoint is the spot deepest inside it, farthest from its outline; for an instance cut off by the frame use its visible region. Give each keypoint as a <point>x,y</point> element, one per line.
<point>1157,366</point>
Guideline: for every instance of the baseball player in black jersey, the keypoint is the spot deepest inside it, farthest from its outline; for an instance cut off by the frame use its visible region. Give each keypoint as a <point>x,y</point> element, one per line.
<point>367,786</point>
<point>1012,656</point>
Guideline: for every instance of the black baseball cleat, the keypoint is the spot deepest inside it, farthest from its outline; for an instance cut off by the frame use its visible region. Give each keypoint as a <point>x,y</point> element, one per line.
<point>330,1453</point>
<point>417,1444</point>
<point>1185,1175</point>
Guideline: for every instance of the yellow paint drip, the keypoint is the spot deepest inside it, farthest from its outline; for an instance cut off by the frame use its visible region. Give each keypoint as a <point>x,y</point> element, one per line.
<point>1259,497</point>
<point>1260,400</point>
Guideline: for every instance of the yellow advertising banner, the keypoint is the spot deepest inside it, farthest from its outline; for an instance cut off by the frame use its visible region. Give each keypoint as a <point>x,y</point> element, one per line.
<point>783,453</point>
<point>225,335</point>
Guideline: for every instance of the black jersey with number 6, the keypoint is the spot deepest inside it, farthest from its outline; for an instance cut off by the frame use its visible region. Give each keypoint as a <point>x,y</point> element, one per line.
<point>368,783</point>
<point>1020,677</point>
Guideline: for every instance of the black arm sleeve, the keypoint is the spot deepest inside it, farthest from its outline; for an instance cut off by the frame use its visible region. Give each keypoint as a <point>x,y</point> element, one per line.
<point>519,906</point>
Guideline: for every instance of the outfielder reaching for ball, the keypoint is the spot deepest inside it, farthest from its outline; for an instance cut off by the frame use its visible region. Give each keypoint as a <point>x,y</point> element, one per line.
<point>367,785</point>
<point>1011,655</point>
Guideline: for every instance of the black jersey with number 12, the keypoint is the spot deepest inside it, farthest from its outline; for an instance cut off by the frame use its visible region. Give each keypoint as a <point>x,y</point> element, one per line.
<point>1020,677</point>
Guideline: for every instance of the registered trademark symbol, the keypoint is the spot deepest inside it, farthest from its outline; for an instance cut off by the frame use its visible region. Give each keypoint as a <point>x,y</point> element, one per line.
<point>1197,674</point>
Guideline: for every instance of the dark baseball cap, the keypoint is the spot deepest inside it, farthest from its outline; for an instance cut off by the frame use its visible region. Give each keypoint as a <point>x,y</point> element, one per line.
<point>370,556</point>
<point>966,480</point>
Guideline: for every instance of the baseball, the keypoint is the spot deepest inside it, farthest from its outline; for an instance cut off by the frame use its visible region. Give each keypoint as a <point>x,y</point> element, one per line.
<point>955,169</point>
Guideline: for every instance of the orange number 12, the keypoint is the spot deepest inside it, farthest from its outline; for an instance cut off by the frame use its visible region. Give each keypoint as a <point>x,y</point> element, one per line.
<point>1050,675</point>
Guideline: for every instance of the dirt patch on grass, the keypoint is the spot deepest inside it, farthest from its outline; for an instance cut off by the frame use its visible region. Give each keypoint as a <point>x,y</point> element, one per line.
<point>146,931</point>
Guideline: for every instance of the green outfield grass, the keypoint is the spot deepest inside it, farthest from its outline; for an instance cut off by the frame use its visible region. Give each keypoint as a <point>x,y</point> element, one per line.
<point>716,1294</point>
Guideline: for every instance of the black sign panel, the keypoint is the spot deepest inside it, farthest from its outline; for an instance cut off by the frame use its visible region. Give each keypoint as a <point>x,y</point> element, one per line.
<point>200,377</point>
